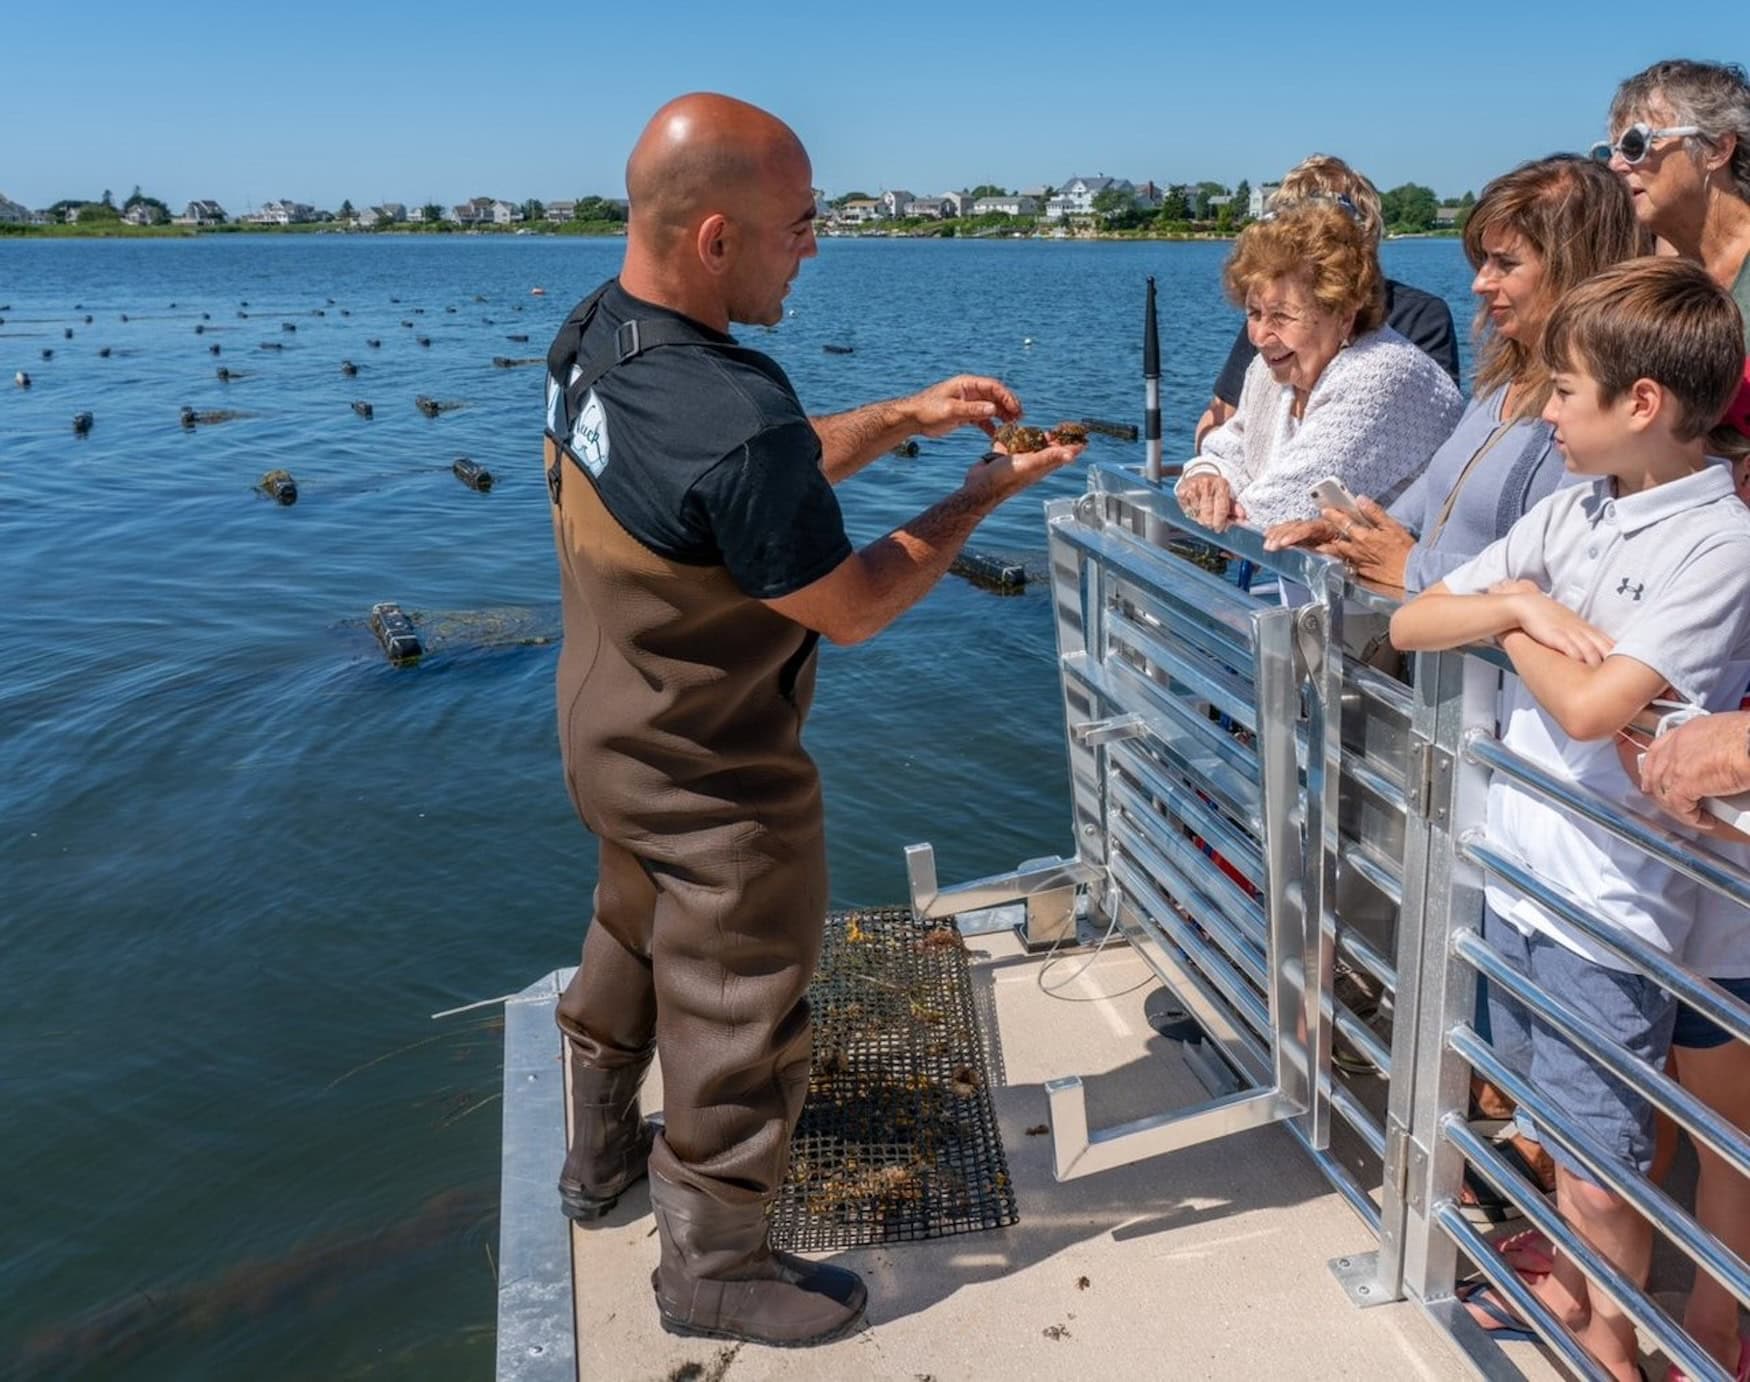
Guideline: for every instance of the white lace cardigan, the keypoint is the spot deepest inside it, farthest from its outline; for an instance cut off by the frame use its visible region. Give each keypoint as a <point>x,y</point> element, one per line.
<point>1378,412</point>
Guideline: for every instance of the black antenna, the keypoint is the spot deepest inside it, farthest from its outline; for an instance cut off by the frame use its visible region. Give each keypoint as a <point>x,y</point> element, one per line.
<point>1151,388</point>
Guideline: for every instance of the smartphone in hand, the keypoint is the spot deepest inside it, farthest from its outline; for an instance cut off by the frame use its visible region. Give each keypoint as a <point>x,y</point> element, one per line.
<point>1332,493</point>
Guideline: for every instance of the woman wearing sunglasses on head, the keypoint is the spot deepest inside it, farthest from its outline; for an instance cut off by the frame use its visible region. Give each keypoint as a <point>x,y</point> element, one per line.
<point>1680,141</point>
<point>1333,390</point>
<point>1534,233</point>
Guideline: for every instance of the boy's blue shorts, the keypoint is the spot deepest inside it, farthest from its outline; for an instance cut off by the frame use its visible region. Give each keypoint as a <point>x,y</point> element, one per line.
<point>1629,1008</point>
<point>1700,1033</point>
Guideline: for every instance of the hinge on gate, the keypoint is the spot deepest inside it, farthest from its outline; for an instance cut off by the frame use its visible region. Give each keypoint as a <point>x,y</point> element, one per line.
<point>1311,636</point>
<point>1397,1160</point>
<point>1429,789</point>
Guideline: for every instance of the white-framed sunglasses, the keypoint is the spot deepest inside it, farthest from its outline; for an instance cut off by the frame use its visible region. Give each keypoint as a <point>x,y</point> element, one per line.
<point>1636,142</point>
<point>1341,201</point>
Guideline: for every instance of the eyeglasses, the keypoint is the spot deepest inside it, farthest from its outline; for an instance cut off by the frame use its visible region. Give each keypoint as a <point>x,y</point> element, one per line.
<point>1636,142</point>
<point>1341,202</point>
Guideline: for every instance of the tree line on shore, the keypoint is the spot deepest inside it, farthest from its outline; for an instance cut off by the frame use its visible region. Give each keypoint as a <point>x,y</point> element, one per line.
<point>1183,208</point>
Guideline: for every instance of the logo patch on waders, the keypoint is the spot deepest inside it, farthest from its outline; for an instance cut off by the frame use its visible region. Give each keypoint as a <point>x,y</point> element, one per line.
<point>589,438</point>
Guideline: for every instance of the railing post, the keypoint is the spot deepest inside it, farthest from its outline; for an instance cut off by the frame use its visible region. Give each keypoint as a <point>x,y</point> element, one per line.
<point>1387,1279</point>
<point>1464,692</point>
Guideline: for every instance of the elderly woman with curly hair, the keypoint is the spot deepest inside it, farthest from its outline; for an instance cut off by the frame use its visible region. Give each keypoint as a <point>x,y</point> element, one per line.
<point>1332,391</point>
<point>1536,232</point>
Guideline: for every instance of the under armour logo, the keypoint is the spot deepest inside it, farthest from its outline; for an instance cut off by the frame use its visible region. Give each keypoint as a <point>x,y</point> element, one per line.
<point>1626,589</point>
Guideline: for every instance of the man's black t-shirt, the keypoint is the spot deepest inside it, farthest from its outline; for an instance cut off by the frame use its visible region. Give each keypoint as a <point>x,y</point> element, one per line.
<point>703,453</point>
<point>1420,318</point>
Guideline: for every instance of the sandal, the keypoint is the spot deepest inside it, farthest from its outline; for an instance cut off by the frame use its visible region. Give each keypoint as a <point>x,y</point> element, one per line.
<point>1482,1206</point>
<point>1501,1323</point>
<point>1528,1252</point>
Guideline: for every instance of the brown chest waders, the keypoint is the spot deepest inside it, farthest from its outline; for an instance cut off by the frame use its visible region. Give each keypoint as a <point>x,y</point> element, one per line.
<point>681,702</point>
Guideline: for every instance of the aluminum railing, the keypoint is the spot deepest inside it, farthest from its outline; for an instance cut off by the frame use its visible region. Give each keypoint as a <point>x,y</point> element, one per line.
<point>1441,1142</point>
<point>1253,802</point>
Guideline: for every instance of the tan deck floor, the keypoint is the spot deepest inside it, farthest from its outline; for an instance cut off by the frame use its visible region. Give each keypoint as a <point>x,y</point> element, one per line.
<point>1207,1263</point>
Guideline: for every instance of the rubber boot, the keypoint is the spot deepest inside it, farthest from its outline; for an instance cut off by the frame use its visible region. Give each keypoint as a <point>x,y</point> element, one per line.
<point>610,1139</point>
<point>720,1279</point>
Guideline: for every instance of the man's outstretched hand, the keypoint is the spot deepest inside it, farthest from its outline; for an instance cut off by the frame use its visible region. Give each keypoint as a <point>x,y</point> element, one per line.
<point>965,399</point>
<point>1003,475</point>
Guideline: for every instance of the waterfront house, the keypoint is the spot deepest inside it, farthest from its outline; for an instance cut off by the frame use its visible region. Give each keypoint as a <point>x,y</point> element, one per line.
<point>562,210</point>
<point>201,213</point>
<point>1076,196</point>
<point>505,213</point>
<point>1260,199</point>
<point>1016,205</point>
<point>366,218</point>
<point>283,212</point>
<point>473,212</point>
<point>959,203</point>
<point>390,212</point>
<point>71,214</point>
<point>859,211</point>
<point>1450,215</point>
<point>893,203</point>
<point>13,213</point>
<point>1217,202</point>
<point>141,214</point>
<point>931,208</point>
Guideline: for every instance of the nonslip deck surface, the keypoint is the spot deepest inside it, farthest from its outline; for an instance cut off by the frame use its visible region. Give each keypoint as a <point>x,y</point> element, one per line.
<point>1209,1263</point>
<point>898,1140</point>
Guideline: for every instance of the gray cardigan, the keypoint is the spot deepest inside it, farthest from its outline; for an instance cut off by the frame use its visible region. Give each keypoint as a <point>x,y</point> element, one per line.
<point>1524,466</point>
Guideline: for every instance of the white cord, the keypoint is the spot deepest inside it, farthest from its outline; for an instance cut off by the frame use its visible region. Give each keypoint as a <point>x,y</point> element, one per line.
<point>1055,990</point>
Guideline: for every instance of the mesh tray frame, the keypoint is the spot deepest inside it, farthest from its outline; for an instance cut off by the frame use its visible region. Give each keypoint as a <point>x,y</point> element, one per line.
<point>898,1140</point>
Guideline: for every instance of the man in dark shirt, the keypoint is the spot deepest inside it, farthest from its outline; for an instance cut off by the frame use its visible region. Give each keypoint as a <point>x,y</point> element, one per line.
<point>1420,318</point>
<point>702,557</point>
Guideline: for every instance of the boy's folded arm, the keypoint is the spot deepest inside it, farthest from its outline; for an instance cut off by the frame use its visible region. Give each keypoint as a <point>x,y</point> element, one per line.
<point>1437,619</point>
<point>1588,702</point>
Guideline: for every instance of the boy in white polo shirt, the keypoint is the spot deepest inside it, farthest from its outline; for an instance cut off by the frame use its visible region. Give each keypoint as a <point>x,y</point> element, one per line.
<point>1605,597</point>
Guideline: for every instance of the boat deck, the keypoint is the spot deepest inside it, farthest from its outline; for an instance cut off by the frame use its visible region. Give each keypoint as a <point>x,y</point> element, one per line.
<point>1210,1262</point>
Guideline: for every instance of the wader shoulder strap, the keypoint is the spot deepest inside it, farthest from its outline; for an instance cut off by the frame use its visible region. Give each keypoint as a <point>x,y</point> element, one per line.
<point>632,339</point>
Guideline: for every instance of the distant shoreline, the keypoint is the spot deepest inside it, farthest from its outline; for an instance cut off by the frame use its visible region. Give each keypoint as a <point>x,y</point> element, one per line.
<point>109,230</point>
<point>599,231</point>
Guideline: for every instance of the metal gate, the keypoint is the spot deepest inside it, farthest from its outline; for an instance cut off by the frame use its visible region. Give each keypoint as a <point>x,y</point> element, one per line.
<point>1265,798</point>
<point>1217,813</point>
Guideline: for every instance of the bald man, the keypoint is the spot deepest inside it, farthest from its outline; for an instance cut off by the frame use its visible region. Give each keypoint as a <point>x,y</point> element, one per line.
<point>703,556</point>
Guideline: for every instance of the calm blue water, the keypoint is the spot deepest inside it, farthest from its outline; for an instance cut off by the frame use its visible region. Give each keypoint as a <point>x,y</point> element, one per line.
<point>243,859</point>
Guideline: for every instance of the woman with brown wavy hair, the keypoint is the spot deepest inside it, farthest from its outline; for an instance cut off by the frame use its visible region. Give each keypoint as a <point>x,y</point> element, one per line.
<point>1534,233</point>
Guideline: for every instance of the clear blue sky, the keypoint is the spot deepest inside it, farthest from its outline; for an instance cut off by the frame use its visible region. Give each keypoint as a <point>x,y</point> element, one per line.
<point>440,101</point>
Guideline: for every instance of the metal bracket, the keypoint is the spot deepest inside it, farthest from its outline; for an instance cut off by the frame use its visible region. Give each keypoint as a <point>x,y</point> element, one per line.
<point>1040,877</point>
<point>1416,1166</point>
<point>1358,1275</point>
<point>1310,637</point>
<point>1091,734</point>
<point>1397,1160</point>
<point>1078,1152</point>
<point>1429,789</point>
